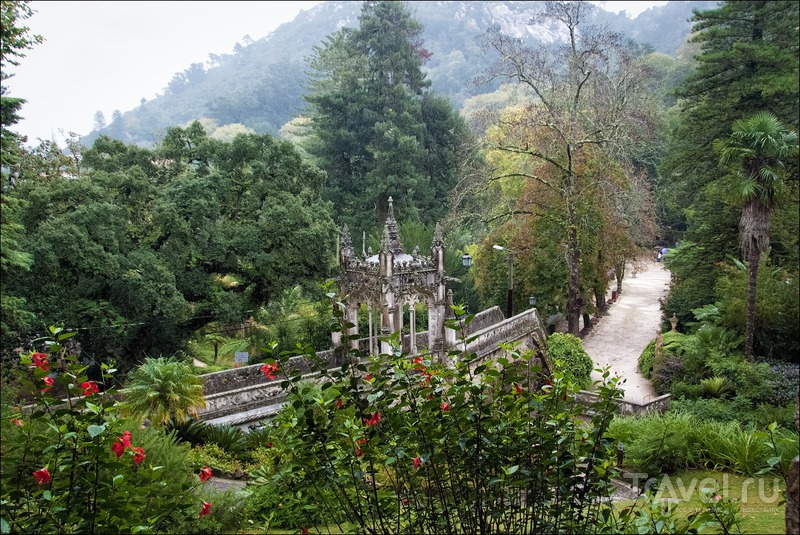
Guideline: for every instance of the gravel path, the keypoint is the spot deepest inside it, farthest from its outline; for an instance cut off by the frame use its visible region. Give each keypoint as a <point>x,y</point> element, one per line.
<point>625,329</point>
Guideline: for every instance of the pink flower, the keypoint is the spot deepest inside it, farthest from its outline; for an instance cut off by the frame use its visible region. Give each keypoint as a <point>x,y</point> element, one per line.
<point>17,422</point>
<point>42,476</point>
<point>49,382</point>
<point>417,462</point>
<point>138,455</point>
<point>40,361</point>
<point>206,510</point>
<point>89,388</point>
<point>205,474</point>
<point>269,370</point>
<point>339,403</point>
<point>445,406</point>
<point>373,420</point>
<point>717,498</point>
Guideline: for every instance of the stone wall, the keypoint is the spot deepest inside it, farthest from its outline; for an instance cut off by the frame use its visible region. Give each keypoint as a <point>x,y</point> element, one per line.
<point>626,408</point>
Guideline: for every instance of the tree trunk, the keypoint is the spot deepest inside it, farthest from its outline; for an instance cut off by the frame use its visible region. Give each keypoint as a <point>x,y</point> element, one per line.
<point>752,286</point>
<point>600,300</point>
<point>619,272</point>
<point>574,295</point>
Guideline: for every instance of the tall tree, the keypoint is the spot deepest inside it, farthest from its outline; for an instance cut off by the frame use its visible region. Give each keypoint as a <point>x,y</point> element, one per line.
<point>747,62</point>
<point>377,132</point>
<point>590,90</point>
<point>756,150</point>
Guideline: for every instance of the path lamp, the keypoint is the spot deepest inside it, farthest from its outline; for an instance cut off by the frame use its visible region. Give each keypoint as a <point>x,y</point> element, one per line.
<point>532,301</point>
<point>510,302</point>
<point>466,260</point>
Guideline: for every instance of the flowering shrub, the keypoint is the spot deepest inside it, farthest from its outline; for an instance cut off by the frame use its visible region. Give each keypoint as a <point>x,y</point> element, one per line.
<point>404,444</point>
<point>71,465</point>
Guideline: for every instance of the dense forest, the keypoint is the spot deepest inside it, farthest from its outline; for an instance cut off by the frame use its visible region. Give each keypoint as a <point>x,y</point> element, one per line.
<point>586,153</point>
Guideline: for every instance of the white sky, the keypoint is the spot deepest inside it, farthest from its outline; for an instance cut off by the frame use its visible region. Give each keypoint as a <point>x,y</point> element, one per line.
<point>102,55</point>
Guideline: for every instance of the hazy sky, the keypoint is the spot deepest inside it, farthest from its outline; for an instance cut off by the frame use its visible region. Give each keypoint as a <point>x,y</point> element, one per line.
<point>108,55</point>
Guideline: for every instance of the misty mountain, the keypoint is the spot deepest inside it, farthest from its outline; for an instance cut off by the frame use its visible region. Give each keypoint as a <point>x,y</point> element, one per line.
<point>262,83</point>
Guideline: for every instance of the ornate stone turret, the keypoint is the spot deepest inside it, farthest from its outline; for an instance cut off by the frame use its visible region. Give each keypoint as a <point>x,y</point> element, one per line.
<point>391,280</point>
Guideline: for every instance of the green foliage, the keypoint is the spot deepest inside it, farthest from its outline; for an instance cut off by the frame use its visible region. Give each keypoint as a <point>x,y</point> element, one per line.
<point>72,465</point>
<point>163,389</point>
<point>645,361</point>
<point>677,440</point>
<point>211,454</point>
<point>716,387</point>
<point>567,353</point>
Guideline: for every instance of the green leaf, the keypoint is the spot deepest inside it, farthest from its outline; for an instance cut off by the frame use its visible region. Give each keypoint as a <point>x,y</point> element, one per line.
<point>95,430</point>
<point>47,495</point>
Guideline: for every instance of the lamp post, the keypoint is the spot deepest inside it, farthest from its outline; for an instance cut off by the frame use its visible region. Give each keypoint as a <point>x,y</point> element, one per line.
<point>466,260</point>
<point>510,301</point>
<point>532,301</point>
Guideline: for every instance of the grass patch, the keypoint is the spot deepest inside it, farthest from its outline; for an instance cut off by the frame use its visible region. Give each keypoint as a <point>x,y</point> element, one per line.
<point>760,497</point>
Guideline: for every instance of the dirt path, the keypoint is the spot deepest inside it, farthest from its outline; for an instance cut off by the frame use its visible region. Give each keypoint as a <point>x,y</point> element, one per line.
<point>625,329</point>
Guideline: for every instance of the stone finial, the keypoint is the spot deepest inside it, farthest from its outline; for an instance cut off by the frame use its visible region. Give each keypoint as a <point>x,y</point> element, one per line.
<point>390,232</point>
<point>347,241</point>
<point>437,236</point>
<point>674,322</point>
<point>415,252</point>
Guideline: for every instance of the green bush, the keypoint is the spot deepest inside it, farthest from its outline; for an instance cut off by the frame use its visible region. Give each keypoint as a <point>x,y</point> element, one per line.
<point>676,440</point>
<point>214,456</point>
<point>567,353</point>
<point>646,359</point>
<point>228,437</point>
<point>681,390</point>
<point>716,387</point>
<point>70,467</point>
<point>737,409</point>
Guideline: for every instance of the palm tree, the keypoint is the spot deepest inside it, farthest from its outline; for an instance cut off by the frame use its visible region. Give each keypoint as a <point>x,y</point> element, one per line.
<point>163,389</point>
<point>757,149</point>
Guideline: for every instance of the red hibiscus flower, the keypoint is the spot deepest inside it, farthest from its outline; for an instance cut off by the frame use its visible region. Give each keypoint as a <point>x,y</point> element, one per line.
<point>269,370</point>
<point>404,501</point>
<point>548,382</point>
<point>125,439</point>
<point>42,476</point>
<point>17,422</point>
<point>359,452</point>
<point>205,474</point>
<point>49,382</point>
<point>89,388</point>
<point>206,510</point>
<point>138,455</point>
<point>445,406</point>
<point>40,361</point>
<point>417,462</point>
<point>304,530</point>
<point>270,444</point>
<point>373,420</point>
<point>518,389</point>
<point>118,448</point>
<point>339,403</point>
<point>368,377</point>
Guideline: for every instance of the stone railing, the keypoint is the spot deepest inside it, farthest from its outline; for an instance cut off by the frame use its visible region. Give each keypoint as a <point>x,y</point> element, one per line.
<point>625,407</point>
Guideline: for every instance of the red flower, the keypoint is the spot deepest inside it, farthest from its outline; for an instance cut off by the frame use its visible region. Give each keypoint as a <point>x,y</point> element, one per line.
<point>118,448</point>
<point>518,389</point>
<point>404,501</point>
<point>445,406</point>
<point>269,370</point>
<point>359,453</point>
<point>138,455</point>
<point>304,531</point>
<point>548,382</point>
<point>89,388</point>
<point>339,403</point>
<point>417,462</point>
<point>206,510</point>
<point>373,420</point>
<point>49,382</point>
<point>42,476</point>
<point>270,444</point>
<point>125,439</point>
<point>17,422</point>
<point>40,361</point>
<point>368,377</point>
<point>205,474</point>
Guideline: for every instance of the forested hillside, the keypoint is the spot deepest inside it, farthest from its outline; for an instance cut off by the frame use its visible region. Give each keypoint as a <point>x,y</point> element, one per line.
<point>262,83</point>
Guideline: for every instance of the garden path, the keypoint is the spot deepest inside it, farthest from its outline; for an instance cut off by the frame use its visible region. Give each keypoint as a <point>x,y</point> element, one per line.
<point>626,328</point>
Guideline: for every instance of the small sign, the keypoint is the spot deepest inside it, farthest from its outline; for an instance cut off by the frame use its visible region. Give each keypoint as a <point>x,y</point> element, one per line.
<point>241,357</point>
